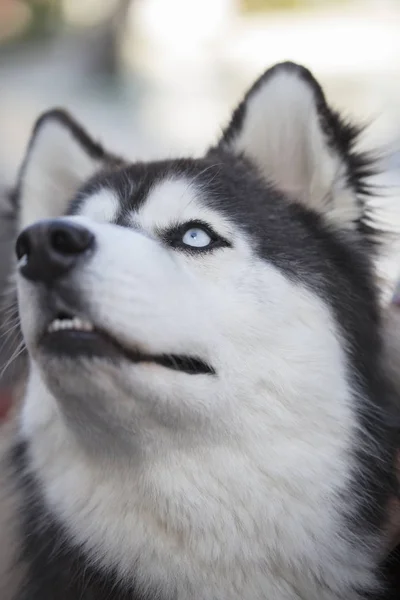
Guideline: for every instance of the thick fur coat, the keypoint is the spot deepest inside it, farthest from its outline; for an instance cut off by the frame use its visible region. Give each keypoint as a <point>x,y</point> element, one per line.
<point>208,411</point>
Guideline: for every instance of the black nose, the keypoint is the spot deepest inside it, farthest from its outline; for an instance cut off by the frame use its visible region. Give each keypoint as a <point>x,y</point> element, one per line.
<point>49,249</point>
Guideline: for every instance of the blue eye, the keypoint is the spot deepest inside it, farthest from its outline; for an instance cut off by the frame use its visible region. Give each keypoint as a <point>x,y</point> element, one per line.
<point>196,238</point>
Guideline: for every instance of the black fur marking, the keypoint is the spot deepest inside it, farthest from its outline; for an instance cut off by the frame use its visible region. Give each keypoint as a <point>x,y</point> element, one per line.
<point>391,576</point>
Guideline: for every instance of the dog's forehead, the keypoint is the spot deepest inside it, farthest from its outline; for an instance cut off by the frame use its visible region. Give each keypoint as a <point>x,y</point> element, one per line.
<point>163,194</point>
<point>224,193</point>
<point>169,202</point>
<point>175,200</point>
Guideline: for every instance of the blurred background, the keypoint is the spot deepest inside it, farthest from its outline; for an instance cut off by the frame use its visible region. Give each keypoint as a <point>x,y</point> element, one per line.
<point>156,78</point>
<point>160,76</point>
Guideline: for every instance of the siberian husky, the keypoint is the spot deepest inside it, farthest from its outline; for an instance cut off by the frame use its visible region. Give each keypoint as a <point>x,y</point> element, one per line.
<point>206,410</point>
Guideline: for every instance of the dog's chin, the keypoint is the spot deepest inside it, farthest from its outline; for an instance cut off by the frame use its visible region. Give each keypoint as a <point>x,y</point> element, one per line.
<point>75,339</point>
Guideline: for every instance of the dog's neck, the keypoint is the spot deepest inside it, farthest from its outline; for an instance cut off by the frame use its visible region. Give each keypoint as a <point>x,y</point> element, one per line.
<point>213,523</point>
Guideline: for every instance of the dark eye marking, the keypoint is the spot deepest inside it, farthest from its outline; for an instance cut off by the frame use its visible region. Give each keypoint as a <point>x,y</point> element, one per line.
<point>195,237</point>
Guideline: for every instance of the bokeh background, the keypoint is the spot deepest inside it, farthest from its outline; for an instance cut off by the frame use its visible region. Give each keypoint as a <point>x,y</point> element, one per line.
<point>156,78</point>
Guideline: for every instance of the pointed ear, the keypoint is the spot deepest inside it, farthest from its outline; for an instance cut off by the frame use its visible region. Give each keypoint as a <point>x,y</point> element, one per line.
<point>285,128</point>
<point>60,158</point>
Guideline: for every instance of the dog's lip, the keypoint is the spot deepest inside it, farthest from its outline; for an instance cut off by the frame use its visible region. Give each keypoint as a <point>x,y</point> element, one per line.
<point>64,324</point>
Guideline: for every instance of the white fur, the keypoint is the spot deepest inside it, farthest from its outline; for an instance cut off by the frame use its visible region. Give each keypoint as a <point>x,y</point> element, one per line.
<point>228,489</point>
<point>102,206</point>
<point>59,167</point>
<point>282,136</point>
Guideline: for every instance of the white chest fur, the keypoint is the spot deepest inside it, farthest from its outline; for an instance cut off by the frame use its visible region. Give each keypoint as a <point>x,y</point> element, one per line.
<point>221,523</point>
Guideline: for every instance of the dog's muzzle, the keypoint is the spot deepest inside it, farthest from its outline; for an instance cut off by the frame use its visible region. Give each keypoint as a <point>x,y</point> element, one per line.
<point>48,252</point>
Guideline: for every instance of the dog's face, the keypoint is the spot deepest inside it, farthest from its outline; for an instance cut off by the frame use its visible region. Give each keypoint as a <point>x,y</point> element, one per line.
<point>199,301</point>
<point>210,305</point>
<point>188,307</point>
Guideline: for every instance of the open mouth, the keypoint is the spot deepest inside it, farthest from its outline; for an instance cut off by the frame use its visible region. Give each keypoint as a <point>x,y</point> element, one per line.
<point>73,336</point>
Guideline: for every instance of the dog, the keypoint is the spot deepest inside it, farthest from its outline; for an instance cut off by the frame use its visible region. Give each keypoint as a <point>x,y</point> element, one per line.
<point>207,414</point>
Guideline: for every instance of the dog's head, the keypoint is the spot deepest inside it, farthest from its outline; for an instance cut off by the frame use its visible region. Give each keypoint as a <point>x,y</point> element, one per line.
<point>223,302</point>
<point>201,293</point>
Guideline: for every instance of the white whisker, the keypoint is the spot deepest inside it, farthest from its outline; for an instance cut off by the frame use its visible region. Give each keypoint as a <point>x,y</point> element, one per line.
<point>19,350</point>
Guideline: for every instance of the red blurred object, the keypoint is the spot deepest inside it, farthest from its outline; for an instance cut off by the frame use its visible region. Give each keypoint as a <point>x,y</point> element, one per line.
<point>6,399</point>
